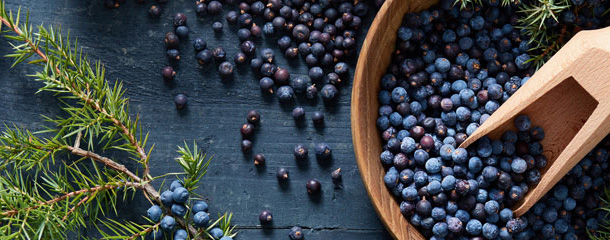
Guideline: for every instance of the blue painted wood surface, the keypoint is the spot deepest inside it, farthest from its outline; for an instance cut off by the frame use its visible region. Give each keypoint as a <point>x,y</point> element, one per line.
<point>130,44</point>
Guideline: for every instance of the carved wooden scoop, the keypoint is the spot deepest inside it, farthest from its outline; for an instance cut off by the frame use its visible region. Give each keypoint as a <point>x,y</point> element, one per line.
<point>569,97</point>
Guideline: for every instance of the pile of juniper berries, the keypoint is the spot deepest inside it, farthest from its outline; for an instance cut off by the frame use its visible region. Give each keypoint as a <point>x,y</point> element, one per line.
<point>451,70</point>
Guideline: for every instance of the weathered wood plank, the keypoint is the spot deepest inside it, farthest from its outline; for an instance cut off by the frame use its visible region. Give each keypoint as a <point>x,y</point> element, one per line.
<point>131,46</point>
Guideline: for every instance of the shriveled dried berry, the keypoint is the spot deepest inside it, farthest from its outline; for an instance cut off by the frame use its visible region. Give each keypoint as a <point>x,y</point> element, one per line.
<point>219,54</point>
<point>179,19</point>
<point>336,175</point>
<point>300,151</point>
<point>154,11</point>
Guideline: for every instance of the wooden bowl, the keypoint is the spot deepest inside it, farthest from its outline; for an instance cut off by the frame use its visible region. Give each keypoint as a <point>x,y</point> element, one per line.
<point>374,59</point>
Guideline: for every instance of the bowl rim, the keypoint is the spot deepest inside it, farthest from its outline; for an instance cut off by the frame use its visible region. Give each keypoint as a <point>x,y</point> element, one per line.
<point>364,111</point>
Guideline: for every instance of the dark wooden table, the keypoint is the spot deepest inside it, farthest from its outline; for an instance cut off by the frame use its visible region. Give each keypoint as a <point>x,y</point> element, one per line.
<point>130,44</point>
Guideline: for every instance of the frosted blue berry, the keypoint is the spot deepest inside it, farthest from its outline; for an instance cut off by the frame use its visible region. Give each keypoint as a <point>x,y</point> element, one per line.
<point>156,234</point>
<point>490,231</point>
<point>442,65</point>
<point>473,227</point>
<point>180,195</point>
<point>433,165</point>
<point>523,123</point>
<point>175,184</point>
<point>440,229</point>
<point>518,165</point>
<point>180,234</point>
<point>154,213</point>
<point>200,206</point>
<point>216,233</point>
<point>521,61</point>
<point>168,223</point>
<point>178,210</point>
<point>167,198</point>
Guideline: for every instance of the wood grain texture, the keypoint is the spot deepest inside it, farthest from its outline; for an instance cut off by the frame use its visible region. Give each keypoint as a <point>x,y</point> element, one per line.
<point>130,45</point>
<point>372,64</point>
<point>569,97</point>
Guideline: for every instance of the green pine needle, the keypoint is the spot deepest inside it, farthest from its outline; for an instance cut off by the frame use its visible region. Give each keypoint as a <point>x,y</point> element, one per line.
<point>51,186</point>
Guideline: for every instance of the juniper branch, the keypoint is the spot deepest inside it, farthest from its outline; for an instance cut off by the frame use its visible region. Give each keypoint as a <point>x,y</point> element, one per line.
<point>84,94</point>
<point>102,115</point>
<point>72,194</point>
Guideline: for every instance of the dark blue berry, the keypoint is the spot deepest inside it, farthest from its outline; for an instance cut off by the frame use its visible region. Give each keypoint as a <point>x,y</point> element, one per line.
<point>180,100</point>
<point>313,186</point>
<point>323,151</point>
<point>285,93</point>
<point>296,233</point>
<point>154,213</point>
<point>318,117</point>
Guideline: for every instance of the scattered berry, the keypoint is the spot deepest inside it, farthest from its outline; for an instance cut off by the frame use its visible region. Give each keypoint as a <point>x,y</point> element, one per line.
<point>253,117</point>
<point>180,100</point>
<point>246,145</point>
<point>217,27</point>
<point>336,175</point>
<point>300,151</point>
<point>225,69</point>
<point>323,151</point>
<point>296,233</point>
<point>154,11</point>
<point>247,130</point>
<point>214,8</point>
<point>259,159</point>
<point>318,118</point>
<point>298,113</point>
<point>168,73</point>
<point>171,40</point>
<point>265,217</point>
<point>182,32</point>
<point>313,186</point>
<point>282,174</point>
<point>179,19</point>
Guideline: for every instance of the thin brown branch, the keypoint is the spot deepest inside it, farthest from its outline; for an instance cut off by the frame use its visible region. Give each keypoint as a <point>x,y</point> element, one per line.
<point>81,202</point>
<point>142,233</point>
<point>72,194</point>
<point>560,40</point>
<point>146,187</point>
<point>106,161</point>
<point>18,32</point>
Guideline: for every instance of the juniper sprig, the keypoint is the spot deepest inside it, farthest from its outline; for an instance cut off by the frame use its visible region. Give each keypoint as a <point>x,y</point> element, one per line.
<point>54,181</point>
